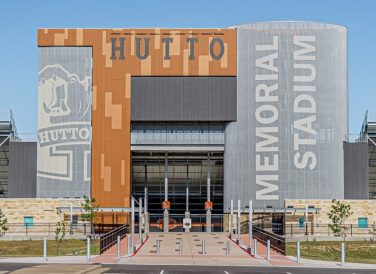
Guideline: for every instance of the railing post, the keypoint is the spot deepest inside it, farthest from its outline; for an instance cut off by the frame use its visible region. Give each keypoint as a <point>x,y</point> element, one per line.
<point>351,230</point>
<point>250,219</point>
<point>238,223</point>
<point>44,248</point>
<point>298,252</point>
<point>88,248</point>
<point>268,250</point>
<point>132,224</point>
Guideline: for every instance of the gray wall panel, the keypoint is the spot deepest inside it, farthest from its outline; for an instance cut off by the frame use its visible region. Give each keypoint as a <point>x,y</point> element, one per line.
<point>271,50</point>
<point>64,121</point>
<point>183,99</point>
<point>356,170</point>
<point>22,170</point>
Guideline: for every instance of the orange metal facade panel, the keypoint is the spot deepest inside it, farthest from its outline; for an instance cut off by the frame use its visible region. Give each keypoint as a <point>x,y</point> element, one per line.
<point>111,132</point>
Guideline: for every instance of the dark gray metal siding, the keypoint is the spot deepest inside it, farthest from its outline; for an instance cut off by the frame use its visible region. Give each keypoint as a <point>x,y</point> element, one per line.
<point>183,99</point>
<point>356,170</point>
<point>22,169</point>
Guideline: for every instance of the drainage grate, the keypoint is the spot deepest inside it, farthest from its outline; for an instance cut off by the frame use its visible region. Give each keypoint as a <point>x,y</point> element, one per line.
<point>220,242</point>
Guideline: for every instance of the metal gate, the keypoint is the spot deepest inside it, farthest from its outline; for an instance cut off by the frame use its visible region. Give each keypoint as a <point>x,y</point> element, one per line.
<point>176,222</point>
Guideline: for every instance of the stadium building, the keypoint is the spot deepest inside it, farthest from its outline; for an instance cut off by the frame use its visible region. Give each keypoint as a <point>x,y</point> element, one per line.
<point>195,118</point>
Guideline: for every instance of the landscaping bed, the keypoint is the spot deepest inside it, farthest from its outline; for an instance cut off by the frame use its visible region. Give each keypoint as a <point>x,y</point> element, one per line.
<point>356,252</point>
<point>34,248</point>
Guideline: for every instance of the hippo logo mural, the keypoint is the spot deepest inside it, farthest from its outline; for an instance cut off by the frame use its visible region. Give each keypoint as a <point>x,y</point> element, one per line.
<point>58,85</point>
<point>64,123</point>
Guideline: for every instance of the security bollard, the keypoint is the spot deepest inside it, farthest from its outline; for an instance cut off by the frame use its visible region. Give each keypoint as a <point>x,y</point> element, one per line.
<point>88,248</point>
<point>203,248</point>
<point>255,248</point>
<point>158,246</point>
<point>343,254</point>
<point>298,252</point>
<point>118,246</point>
<point>181,247</point>
<point>45,248</point>
<point>228,248</point>
<point>268,246</point>
<point>129,246</point>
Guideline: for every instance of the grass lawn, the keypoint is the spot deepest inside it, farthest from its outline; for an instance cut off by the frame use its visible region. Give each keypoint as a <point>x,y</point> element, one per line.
<point>33,248</point>
<point>356,252</point>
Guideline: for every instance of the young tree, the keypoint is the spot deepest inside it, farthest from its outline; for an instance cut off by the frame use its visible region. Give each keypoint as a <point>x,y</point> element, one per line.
<point>59,235</point>
<point>338,215</point>
<point>372,232</point>
<point>89,208</point>
<point>3,223</point>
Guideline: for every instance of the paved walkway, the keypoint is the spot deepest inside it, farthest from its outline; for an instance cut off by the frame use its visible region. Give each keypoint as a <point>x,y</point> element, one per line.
<point>192,251</point>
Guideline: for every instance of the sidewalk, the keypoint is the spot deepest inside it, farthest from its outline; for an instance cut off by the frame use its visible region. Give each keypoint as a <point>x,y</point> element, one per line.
<point>50,260</point>
<point>192,254</point>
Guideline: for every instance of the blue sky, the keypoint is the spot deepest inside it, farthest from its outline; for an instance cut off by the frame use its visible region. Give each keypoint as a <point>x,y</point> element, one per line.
<point>20,19</point>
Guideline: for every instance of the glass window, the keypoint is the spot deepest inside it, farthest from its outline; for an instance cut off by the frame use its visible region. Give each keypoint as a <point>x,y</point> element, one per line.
<point>363,222</point>
<point>28,221</point>
<point>301,222</point>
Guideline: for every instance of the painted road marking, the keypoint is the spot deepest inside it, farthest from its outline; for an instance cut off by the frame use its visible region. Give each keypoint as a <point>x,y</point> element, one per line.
<point>227,272</point>
<point>162,271</point>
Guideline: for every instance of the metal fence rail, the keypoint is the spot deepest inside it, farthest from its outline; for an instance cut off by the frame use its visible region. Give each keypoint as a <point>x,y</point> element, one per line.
<point>27,229</point>
<point>45,229</point>
<point>109,239</point>
<point>277,243</point>
<point>309,229</point>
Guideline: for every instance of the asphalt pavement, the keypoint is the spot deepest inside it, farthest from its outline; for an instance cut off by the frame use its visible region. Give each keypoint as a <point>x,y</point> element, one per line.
<point>172,269</point>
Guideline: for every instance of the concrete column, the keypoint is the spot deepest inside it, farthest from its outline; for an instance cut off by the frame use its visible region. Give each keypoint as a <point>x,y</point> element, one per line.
<point>166,218</point>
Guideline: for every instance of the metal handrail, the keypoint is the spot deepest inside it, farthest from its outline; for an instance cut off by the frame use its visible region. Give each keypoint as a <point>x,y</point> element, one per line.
<point>277,243</point>
<point>109,239</point>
